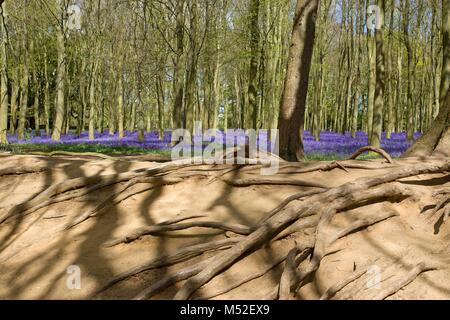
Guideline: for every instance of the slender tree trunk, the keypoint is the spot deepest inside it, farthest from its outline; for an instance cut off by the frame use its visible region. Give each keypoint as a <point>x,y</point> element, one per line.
<point>192,72</point>
<point>46,96</point>
<point>61,72</point>
<point>254,53</point>
<point>36,105</point>
<point>380,79</point>
<point>4,79</point>
<point>178,87</point>
<point>160,100</point>
<point>390,107</point>
<point>372,83</point>
<point>24,93</point>
<point>292,109</point>
<point>120,116</point>
<point>92,102</point>
<point>14,95</point>
<point>445,74</point>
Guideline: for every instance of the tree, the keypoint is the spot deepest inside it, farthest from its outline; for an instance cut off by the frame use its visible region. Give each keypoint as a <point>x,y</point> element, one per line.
<point>445,76</point>
<point>4,78</point>
<point>178,84</point>
<point>380,78</point>
<point>292,109</point>
<point>61,70</point>
<point>254,52</point>
<point>436,141</point>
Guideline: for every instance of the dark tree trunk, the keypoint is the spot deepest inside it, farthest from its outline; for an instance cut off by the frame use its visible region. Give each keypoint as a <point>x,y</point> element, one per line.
<point>292,109</point>
<point>436,141</point>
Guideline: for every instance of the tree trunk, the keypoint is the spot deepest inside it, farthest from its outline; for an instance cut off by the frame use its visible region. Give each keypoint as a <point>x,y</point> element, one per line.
<point>292,109</point>
<point>445,76</point>
<point>380,79</point>
<point>372,83</point>
<point>254,52</point>
<point>4,80</point>
<point>178,86</point>
<point>390,107</point>
<point>120,117</point>
<point>24,93</point>
<point>61,73</point>
<point>14,94</point>
<point>436,141</point>
<point>46,96</point>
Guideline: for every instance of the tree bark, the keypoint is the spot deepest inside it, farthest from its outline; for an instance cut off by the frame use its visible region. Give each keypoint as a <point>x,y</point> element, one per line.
<point>178,85</point>
<point>254,53</point>
<point>380,78</point>
<point>436,141</point>
<point>292,109</point>
<point>61,72</point>
<point>4,80</point>
<point>445,76</point>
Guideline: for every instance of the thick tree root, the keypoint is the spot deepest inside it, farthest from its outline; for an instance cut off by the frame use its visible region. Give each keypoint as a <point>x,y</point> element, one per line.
<point>331,166</point>
<point>119,195</point>
<point>171,279</point>
<point>333,290</point>
<point>157,229</point>
<point>75,154</point>
<point>380,151</point>
<point>285,291</point>
<point>297,196</point>
<point>244,280</point>
<point>23,169</point>
<point>312,216</point>
<point>167,260</point>
<point>267,181</point>
<point>345,196</point>
<point>90,184</point>
<point>443,205</point>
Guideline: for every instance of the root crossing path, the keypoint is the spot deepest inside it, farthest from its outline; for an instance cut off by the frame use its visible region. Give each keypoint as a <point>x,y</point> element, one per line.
<point>131,229</point>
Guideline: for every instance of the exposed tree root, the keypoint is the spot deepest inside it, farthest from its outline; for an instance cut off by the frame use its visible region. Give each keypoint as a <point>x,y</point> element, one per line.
<point>380,151</point>
<point>157,229</point>
<point>167,260</point>
<point>312,215</point>
<point>75,154</point>
<point>118,196</point>
<point>285,202</point>
<point>441,192</point>
<point>337,198</point>
<point>404,281</point>
<point>274,263</point>
<point>23,169</point>
<point>289,274</point>
<point>446,212</point>
<point>267,181</point>
<point>331,166</point>
<point>171,279</point>
<point>90,184</point>
<point>323,238</point>
<point>333,290</point>
<point>444,204</point>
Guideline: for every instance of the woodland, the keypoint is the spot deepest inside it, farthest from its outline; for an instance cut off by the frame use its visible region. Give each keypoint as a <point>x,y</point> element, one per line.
<point>355,93</point>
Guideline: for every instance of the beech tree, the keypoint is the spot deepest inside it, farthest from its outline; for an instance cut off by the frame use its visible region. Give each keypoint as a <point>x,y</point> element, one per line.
<point>292,109</point>
<point>436,141</point>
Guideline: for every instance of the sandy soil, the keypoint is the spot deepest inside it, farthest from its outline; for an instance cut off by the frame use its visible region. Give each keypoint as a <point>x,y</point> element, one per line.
<point>34,258</point>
